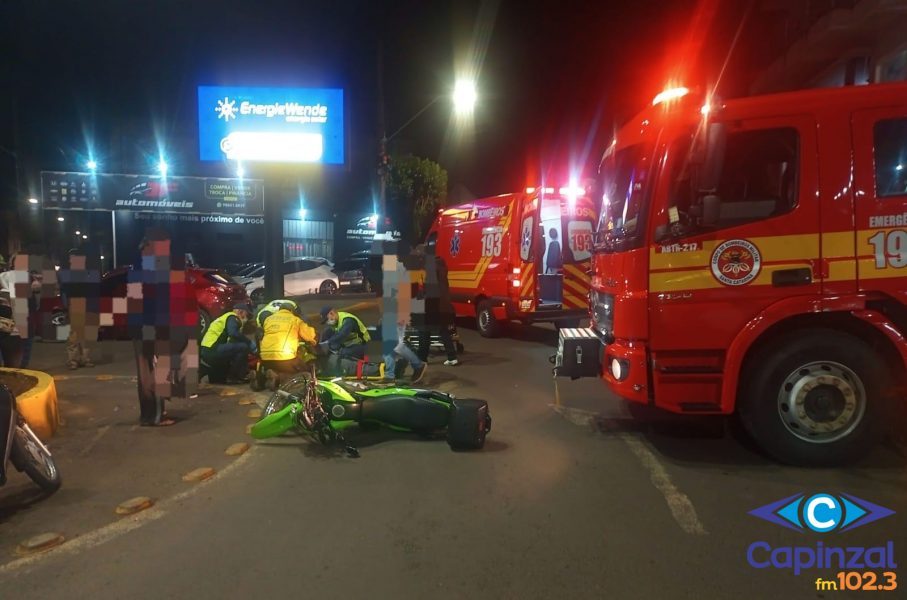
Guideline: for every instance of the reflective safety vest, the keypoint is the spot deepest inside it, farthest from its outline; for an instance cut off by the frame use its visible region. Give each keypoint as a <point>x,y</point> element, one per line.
<point>356,337</point>
<point>217,330</point>
<point>283,333</point>
<point>271,307</point>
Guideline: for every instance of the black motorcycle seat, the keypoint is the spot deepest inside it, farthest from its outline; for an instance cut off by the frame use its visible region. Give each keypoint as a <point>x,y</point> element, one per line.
<point>417,413</point>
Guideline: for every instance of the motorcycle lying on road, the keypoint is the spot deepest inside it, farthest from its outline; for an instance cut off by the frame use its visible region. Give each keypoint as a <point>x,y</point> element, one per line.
<point>20,446</point>
<point>325,409</point>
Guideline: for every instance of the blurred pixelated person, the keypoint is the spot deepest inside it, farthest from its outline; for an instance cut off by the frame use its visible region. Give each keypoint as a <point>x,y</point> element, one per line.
<point>397,309</point>
<point>163,322</point>
<point>31,283</point>
<point>80,288</point>
<point>10,341</point>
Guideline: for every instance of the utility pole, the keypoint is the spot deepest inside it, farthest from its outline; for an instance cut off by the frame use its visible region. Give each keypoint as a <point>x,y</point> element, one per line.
<point>383,161</point>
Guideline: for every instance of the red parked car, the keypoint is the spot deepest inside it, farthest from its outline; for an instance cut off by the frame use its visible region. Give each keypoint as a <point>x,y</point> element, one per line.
<point>215,292</point>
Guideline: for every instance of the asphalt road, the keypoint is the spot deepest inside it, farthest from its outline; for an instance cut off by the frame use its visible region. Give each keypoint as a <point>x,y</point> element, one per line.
<point>570,498</point>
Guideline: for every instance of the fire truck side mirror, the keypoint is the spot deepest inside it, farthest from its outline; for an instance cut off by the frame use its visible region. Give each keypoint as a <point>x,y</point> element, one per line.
<point>711,210</point>
<point>710,175</point>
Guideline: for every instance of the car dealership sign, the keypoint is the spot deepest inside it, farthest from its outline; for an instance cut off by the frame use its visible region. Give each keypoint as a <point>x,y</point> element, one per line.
<point>146,193</point>
<point>301,125</point>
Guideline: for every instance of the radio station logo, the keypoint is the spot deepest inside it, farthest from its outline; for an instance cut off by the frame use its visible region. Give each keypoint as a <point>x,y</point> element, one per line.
<point>869,567</point>
<point>226,109</point>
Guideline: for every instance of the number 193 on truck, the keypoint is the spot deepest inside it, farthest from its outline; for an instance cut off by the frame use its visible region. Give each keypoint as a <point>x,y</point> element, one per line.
<point>750,258</point>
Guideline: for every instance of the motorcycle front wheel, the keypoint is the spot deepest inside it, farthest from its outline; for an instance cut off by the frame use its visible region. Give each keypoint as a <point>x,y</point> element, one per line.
<point>276,403</point>
<point>33,457</point>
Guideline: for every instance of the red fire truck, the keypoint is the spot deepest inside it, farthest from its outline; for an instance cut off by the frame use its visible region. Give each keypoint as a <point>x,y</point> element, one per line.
<point>750,258</point>
<point>523,256</point>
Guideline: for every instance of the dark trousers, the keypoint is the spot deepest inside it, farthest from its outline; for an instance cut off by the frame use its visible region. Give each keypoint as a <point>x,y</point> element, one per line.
<point>441,326</point>
<point>10,351</point>
<point>226,360</point>
<point>150,405</point>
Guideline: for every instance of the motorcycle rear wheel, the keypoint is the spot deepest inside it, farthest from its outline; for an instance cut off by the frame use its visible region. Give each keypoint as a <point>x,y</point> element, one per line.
<point>29,455</point>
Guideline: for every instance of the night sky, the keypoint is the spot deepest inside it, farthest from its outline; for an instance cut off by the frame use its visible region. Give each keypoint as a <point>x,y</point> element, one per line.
<point>554,78</point>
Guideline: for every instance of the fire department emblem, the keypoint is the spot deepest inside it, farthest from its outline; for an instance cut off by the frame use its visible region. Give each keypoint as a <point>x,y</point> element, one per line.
<point>736,262</point>
<point>455,244</point>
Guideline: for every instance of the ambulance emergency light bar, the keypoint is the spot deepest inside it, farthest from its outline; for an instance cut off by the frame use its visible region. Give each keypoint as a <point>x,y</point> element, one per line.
<point>670,94</point>
<point>570,190</point>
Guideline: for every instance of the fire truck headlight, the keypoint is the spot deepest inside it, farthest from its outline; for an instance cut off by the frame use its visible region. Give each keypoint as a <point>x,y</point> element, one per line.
<point>620,369</point>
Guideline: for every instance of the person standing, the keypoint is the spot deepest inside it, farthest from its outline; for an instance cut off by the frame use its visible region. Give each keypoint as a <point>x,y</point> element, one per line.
<point>10,342</point>
<point>80,291</point>
<point>439,310</point>
<point>163,320</point>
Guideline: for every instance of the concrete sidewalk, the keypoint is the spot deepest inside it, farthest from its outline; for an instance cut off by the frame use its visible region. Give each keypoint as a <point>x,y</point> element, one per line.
<point>104,457</point>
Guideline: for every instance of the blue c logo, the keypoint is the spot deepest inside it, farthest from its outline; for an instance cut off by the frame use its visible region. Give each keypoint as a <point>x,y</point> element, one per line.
<point>822,513</point>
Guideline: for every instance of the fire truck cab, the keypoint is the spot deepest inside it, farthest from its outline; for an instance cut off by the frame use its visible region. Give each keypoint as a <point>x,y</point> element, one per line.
<point>523,256</point>
<point>750,257</point>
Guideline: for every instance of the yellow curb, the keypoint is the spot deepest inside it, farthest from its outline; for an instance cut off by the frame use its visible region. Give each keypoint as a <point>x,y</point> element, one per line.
<point>229,392</point>
<point>237,449</point>
<point>255,413</point>
<point>249,428</point>
<point>246,401</point>
<point>134,505</point>
<point>104,377</point>
<point>40,543</point>
<point>200,474</point>
<point>38,405</point>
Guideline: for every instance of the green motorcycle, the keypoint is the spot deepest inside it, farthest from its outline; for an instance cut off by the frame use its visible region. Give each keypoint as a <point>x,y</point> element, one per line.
<point>325,409</point>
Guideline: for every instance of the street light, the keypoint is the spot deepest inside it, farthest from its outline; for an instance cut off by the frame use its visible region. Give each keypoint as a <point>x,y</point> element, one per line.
<point>32,200</point>
<point>162,167</point>
<point>240,172</point>
<point>92,165</point>
<point>60,219</point>
<point>464,96</point>
<point>84,237</point>
<point>464,101</point>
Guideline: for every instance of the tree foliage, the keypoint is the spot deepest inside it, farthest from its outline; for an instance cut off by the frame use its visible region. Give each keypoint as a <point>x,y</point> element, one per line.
<point>416,189</point>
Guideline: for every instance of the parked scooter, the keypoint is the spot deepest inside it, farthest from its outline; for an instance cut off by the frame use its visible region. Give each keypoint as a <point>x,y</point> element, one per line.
<point>20,446</point>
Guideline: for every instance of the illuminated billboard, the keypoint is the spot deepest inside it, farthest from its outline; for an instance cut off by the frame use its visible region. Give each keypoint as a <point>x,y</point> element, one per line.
<point>281,125</point>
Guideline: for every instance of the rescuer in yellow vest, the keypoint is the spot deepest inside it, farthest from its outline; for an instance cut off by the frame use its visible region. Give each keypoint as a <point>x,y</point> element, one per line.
<point>280,345</point>
<point>345,333</point>
<point>224,349</point>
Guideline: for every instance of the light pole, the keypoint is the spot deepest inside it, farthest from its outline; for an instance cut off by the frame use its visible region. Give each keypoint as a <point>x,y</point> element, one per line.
<point>464,98</point>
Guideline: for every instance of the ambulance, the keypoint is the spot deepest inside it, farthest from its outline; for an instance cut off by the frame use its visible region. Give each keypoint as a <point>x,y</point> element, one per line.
<point>518,257</point>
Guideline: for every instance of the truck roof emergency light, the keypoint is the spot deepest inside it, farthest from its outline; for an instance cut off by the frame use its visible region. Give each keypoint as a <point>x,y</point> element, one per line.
<point>670,94</point>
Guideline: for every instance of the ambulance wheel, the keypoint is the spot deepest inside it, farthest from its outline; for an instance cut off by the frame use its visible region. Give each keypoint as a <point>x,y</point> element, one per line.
<point>814,398</point>
<point>487,323</point>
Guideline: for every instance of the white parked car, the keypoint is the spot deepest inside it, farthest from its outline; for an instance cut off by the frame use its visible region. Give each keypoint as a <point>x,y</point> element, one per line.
<point>300,277</point>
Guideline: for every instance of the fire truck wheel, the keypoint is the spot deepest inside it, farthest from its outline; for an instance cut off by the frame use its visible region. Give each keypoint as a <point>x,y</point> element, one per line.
<point>814,398</point>
<point>487,323</point>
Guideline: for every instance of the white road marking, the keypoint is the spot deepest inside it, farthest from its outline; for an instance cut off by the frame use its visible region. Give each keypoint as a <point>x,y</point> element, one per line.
<point>94,440</point>
<point>123,526</point>
<point>680,505</point>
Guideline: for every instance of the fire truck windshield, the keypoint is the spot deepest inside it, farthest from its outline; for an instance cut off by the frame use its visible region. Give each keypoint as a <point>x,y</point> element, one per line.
<point>622,187</point>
